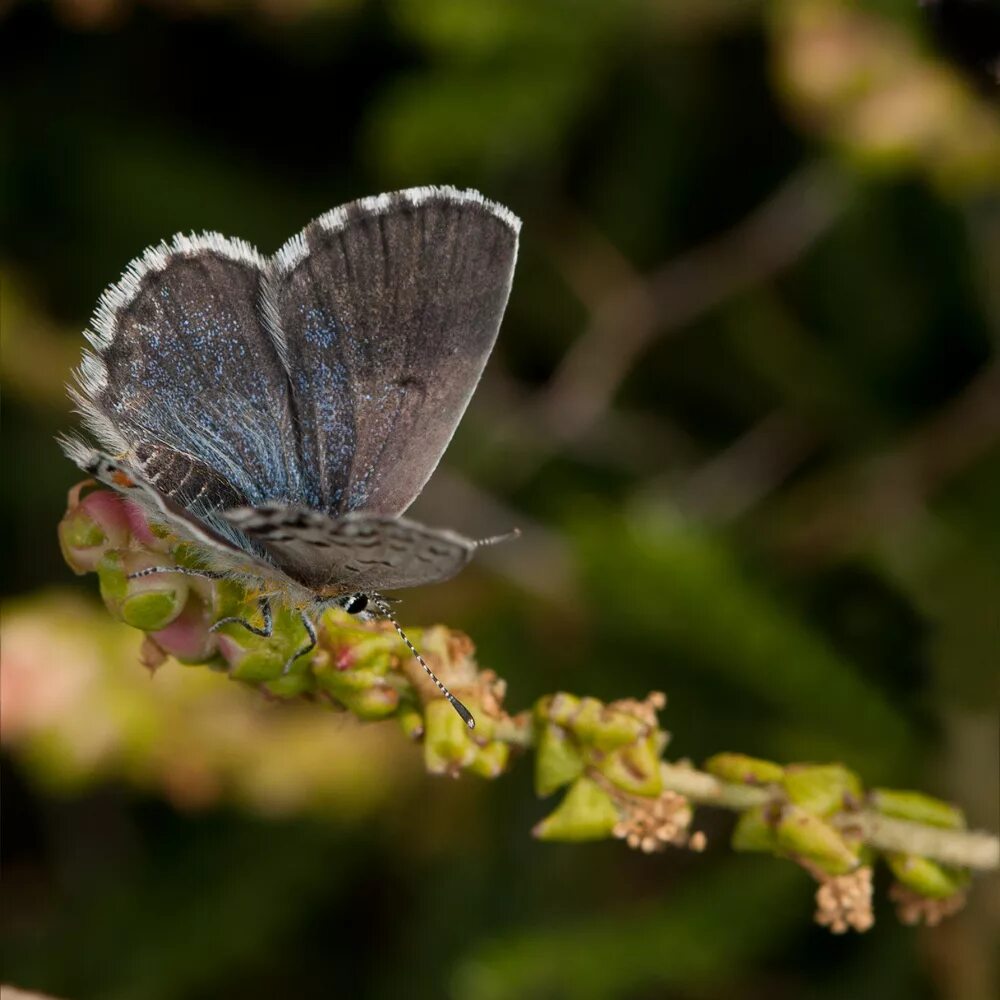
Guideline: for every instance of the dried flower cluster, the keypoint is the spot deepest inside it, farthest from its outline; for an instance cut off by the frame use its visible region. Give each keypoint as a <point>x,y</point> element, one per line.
<point>912,908</point>
<point>645,710</point>
<point>844,902</point>
<point>651,825</point>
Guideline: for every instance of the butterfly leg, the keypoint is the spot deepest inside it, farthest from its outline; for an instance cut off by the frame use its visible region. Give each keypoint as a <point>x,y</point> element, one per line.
<point>267,631</point>
<point>265,609</point>
<point>307,648</point>
<point>180,570</point>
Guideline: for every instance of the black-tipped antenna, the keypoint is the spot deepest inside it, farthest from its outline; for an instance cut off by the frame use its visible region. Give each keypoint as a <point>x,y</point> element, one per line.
<point>507,536</point>
<point>463,712</point>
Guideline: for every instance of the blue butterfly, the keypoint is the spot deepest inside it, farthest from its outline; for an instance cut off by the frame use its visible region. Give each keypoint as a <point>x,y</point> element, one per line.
<point>283,412</point>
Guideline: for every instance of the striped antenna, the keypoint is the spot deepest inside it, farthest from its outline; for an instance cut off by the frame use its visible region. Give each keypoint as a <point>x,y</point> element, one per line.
<point>507,536</point>
<point>463,712</point>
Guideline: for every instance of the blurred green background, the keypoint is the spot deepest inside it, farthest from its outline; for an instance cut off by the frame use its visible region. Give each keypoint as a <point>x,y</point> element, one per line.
<point>745,403</point>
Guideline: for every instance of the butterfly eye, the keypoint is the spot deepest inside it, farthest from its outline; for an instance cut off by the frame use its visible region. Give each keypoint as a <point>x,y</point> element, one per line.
<point>356,603</point>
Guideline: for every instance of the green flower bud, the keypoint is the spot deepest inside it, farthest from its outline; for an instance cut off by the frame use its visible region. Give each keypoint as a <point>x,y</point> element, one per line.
<point>354,648</point>
<point>754,831</point>
<point>187,638</point>
<point>635,768</point>
<point>149,603</point>
<point>917,807</point>
<point>558,760</point>
<point>256,659</point>
<point>376,701</point>
<point>616,729</point>
<point>448,746</point>
<point>560,708</point>
<point>740,768</point>
<point>91,527</point>
<point>585,722</point>
<point>252,663</point>
<point>490,760</point>
<point>585,813</point>
<point>926,877</point>
<point>822,789</point>
<point>355,674</point>
<point>82,541</point>
<point>292,685</point>
<point>804,835</point>
<point>486,725</point>
<point>412,722</point>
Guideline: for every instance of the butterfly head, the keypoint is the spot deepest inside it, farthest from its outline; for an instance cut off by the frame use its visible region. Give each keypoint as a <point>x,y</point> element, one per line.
<point>354,604</point>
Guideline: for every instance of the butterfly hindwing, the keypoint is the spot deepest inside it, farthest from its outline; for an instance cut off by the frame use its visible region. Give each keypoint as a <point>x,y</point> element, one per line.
<point>217,539</point>
<point>356,552</point>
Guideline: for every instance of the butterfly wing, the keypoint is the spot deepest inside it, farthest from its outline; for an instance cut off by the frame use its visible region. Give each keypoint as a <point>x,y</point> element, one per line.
<point>219,540</point>
<point>357,552</point>
<point>386,311</point>
<point>331,376</point>
<point>185,381</point>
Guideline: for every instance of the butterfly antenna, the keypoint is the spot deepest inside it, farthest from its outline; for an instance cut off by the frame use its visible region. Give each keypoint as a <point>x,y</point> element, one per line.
<point>507,536</point>
<point>463,712</point>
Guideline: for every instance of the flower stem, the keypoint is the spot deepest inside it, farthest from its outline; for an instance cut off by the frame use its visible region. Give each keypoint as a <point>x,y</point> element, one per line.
<point>964,848</point>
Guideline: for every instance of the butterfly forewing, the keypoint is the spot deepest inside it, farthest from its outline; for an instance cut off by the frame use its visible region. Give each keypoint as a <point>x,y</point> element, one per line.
<point>389,307</point>
<point>186,380</point>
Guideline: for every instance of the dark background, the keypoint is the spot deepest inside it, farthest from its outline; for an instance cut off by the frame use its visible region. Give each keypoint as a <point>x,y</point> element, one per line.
<point>745,402</point>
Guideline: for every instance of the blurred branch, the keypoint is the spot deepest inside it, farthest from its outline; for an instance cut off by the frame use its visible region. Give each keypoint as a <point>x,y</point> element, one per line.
<point>962,848</point>
<point>969,848</point>
<point>634,442</point>
<point>751,468</point>
<point>638,308</point>
<point>887,490</point>
<point>606,757</point>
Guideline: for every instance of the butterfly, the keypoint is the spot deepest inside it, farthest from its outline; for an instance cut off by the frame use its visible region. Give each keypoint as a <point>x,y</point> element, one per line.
<point>283,412</point>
